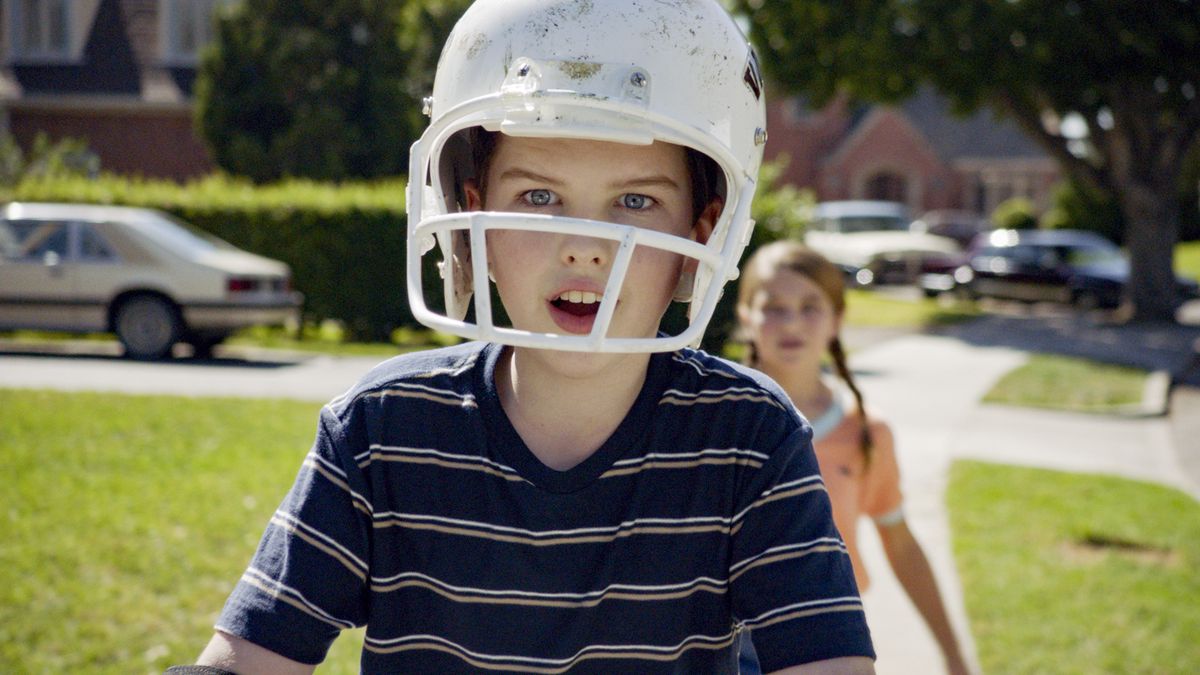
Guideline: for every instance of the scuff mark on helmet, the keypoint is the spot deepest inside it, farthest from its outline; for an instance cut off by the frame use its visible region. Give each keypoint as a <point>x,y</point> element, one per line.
<point>579,70</point>
<point>477,43</point>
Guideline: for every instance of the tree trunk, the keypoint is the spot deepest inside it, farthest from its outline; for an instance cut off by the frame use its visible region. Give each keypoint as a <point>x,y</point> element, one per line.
<point>1151,232</point>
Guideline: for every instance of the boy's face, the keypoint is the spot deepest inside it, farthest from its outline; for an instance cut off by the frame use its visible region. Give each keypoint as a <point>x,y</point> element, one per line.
<point>553,282</point>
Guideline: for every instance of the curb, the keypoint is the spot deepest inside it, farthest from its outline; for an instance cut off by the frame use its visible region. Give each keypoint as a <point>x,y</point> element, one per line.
<point>1157,394</point>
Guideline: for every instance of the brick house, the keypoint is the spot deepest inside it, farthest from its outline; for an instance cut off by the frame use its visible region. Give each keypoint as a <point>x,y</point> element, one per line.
<point>917,153</point>
<point>117,73</point>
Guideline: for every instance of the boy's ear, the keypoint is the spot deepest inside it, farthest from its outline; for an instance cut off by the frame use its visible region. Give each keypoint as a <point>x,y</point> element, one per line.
<point>474,197</point>
<point>707,220</point>
<point>702,229</point>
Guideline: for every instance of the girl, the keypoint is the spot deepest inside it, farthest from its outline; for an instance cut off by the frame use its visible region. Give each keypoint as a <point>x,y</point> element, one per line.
<point>790,305</point>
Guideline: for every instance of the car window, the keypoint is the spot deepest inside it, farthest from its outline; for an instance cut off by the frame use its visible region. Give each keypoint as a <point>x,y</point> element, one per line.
<point>177,235</point>
<point>868,224</point>
<point>34,239</point>
<point>9,246</point>
<point>1092,255</point>
<point>92,246</point>
<point>1027,255</point>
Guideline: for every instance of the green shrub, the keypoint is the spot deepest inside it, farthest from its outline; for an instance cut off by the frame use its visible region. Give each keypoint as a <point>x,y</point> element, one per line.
<point>1079,207</point>
<point>46,159</point>
<point>1016,213</point>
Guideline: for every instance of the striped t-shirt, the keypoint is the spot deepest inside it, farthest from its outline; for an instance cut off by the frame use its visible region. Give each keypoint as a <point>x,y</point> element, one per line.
<point>421,514</point>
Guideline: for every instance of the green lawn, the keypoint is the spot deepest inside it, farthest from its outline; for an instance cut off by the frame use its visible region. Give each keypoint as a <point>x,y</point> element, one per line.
<point>127,520</point>
<point>1187,259</point>
<point>1064,383</point>
<point>874,309</point>
<point>1070,573</point>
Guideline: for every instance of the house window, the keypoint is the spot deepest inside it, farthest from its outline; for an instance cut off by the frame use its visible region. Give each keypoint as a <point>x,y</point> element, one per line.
<point>887,186</point>
<point>188,26</point>
<point>41,28</point>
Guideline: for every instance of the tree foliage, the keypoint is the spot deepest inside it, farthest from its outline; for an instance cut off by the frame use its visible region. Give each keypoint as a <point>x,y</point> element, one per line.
<point>1127,69</point>
<point>322,89</point>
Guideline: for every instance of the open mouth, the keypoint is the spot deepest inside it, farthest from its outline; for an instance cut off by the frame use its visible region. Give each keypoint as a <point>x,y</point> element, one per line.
<point>578,303</point>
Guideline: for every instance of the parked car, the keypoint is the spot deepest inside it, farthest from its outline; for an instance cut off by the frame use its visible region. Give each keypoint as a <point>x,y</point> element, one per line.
<point>961,226</point>
<point>871,240</point>
<point>1063,266</point>
<point>140,273</point>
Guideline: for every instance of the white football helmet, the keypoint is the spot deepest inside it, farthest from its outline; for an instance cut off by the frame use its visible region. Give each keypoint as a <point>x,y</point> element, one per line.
<point>627,71</point>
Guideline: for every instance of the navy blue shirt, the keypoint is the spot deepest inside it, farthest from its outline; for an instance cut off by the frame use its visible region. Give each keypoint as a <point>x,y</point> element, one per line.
<point>421,514</point>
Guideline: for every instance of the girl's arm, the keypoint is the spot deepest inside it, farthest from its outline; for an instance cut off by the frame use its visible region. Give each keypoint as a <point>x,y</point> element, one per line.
<point>912,569</point>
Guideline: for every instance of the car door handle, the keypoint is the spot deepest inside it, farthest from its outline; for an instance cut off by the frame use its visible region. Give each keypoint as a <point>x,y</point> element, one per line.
<point>53,263</point>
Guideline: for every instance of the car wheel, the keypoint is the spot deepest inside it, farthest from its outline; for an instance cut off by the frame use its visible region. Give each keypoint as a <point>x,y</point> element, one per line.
<point>148,326</point>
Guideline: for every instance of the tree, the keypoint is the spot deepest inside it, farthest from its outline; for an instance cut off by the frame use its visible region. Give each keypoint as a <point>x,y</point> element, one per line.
<point>1127,69</point>
<point>424,27</point>
<point>307,88</point>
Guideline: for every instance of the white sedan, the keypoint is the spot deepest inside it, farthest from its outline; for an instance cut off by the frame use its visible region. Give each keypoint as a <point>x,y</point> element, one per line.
<point>140,273</point>
<point>872,242</point>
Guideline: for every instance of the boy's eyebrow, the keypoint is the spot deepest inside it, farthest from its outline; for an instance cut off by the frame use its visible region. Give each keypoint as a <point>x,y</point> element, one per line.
<point>656,180</point>
<point>518,172</point>
<point>649,181</point>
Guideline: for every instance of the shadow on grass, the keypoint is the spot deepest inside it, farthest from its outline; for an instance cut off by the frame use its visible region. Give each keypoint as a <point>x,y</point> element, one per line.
<point>1170,347</point>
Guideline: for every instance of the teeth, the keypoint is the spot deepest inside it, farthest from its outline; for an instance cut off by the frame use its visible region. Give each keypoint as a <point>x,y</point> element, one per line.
<point>585,297</point>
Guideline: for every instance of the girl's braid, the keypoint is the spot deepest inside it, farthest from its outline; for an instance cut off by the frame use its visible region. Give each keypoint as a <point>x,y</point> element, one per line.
<point>843,371</point>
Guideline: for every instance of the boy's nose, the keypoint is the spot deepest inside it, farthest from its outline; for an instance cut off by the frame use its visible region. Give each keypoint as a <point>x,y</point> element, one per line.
<point>581,250</point>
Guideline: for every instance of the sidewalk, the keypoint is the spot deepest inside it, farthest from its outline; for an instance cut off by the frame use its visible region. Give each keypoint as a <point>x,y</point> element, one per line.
<point>928,388</point>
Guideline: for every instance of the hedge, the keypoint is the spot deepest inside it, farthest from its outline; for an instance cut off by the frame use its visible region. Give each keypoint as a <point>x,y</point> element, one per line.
<point>344,243</point>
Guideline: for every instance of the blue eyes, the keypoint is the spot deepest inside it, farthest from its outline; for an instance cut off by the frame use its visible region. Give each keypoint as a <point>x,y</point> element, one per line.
<point>539,197</point>
<point>631,201</point>
<point>635,202</point>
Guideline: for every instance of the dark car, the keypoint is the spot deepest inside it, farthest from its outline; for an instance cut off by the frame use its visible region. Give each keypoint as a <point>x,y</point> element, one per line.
<point>1063,266</point>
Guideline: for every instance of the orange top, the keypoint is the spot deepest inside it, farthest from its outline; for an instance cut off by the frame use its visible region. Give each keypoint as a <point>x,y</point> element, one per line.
<point>855,488</point>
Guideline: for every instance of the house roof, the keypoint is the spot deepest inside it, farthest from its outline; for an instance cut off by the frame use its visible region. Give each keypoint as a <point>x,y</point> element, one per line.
<point>979,135</point>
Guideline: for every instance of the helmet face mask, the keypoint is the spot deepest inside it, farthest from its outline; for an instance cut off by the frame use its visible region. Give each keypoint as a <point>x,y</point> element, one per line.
<point>593,72</point>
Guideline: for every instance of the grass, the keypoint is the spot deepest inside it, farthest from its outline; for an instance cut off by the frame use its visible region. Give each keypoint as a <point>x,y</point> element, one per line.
<point>1065,383</point>
<point>1071,573</point>
<point>1187,259</point>
<point>128,519</point>
<point>865,308</point>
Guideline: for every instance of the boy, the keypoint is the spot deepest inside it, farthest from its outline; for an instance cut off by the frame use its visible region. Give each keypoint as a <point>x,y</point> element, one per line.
<point>574,491</point>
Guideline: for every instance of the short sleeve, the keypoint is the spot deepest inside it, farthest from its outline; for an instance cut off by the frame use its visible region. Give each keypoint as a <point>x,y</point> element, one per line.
<point>307,580</point>
<point>791,579</point>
